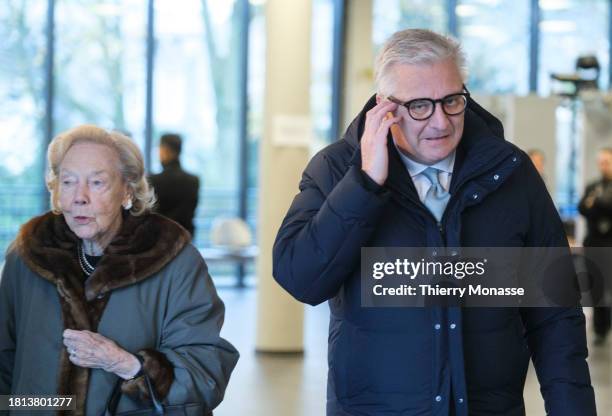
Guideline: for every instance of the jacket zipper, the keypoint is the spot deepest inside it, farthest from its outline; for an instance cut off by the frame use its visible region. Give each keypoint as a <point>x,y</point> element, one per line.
<point>440,224</point>
<point>442,232</point>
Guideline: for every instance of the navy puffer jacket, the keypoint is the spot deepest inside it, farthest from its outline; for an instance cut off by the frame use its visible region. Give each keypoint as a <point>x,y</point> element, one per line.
<point>426,361</point>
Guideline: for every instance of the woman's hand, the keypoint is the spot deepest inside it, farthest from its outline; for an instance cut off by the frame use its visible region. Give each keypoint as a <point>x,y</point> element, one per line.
<point>92,350</point>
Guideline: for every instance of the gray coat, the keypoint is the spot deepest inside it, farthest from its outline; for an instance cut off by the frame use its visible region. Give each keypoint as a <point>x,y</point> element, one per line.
<point>151,293</point>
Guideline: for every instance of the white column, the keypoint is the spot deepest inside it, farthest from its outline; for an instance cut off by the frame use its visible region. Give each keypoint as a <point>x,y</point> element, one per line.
<point>359,56</point>
<point>284,152</point>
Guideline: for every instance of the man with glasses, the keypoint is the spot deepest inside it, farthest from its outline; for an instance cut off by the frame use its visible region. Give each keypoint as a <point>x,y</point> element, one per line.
<point>423,165</point>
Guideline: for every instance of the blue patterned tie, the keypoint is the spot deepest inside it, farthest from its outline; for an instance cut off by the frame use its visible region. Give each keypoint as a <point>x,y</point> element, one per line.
<point>436,197</point>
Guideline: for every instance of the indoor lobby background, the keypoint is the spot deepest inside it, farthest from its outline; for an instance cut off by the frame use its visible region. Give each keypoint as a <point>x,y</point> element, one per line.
<point>255,88</point>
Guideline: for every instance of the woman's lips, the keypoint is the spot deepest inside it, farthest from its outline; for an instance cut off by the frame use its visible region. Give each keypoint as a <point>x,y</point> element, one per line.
<point>81,220</point>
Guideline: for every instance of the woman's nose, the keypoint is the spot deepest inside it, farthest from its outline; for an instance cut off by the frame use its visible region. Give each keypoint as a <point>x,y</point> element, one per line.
<point>81,195</point>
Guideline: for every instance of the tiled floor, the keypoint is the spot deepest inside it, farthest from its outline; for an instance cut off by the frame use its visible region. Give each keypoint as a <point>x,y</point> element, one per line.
<point>268,385</point>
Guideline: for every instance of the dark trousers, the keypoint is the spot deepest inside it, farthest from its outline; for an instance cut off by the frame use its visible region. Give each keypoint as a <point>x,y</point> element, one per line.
<point>601,320</point>
<point>599,269</point>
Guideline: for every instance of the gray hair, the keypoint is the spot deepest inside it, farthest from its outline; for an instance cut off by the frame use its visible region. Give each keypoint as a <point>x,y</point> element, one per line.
<point>130,160</point>
<point>416,47</point>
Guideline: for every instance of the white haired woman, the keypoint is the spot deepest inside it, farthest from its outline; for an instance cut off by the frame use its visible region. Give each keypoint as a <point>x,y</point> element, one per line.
<point>101,298</point>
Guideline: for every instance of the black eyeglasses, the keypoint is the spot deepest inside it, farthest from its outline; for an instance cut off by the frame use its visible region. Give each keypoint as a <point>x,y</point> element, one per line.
<point>423,108</point>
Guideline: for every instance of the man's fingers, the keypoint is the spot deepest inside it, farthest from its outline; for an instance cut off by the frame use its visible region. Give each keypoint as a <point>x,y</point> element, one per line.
<point>381,113</point>
<point>376,115</point>
<point>386,123</point>
<point>380,107</point>
<point>377,132</point>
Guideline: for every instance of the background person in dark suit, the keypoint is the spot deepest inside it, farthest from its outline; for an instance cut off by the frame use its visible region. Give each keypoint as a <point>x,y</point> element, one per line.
<point>596,207</point>
<point>176,190</point>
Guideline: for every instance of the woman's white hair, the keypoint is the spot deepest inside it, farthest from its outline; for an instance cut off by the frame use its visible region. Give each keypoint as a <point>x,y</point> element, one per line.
<point>415,47</point>
<point>131,164</point>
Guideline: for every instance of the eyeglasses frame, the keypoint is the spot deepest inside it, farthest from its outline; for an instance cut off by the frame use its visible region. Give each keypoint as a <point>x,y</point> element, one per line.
<point>465,93</point>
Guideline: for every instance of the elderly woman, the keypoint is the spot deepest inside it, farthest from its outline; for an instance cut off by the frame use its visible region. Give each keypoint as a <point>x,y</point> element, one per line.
<point>101,296</point>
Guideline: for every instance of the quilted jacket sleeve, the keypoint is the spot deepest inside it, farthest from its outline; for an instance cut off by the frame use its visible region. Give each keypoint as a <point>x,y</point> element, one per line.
<point>193,364</point>
<point>319,242</point>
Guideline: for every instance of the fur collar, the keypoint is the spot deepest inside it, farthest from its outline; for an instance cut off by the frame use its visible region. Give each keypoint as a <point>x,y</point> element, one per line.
<point>143,246</point>
<point>48,247</point>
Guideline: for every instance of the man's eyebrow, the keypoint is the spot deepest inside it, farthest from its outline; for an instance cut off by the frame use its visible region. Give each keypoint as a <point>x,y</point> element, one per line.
<point>398,101</point>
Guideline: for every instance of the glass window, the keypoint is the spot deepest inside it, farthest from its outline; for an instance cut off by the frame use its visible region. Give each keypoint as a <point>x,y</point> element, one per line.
<point>495,37</point>
<point>255,88</point>
<point>393,15</point>
<point>22,115</point>
<point>197,94</point>
<point>568,133</point>
<point>569,29</point>
<point>100,65</point>
<point>100,77</point>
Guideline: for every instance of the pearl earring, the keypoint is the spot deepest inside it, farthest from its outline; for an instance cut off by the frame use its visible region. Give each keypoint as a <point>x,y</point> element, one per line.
<point>128,205</point>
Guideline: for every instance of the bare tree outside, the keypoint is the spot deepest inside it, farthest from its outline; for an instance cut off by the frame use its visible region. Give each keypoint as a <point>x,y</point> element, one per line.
<point>22,114</point>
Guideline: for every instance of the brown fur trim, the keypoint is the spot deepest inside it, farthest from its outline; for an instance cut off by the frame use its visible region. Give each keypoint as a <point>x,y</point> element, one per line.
<point>160,372</point>
<point>48,248</point>
<point>143,246</point>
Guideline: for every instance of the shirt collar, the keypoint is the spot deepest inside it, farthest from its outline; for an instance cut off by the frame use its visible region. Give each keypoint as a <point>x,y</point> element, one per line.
<point>415,168</point>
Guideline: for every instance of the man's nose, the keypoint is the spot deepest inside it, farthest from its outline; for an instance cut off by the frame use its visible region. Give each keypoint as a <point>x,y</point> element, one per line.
<point>439,118</point>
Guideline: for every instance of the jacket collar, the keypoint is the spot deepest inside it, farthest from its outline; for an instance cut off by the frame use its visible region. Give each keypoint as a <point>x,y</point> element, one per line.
<point>143,246</point>
<point>415,168</point>
<point>172,165</point>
